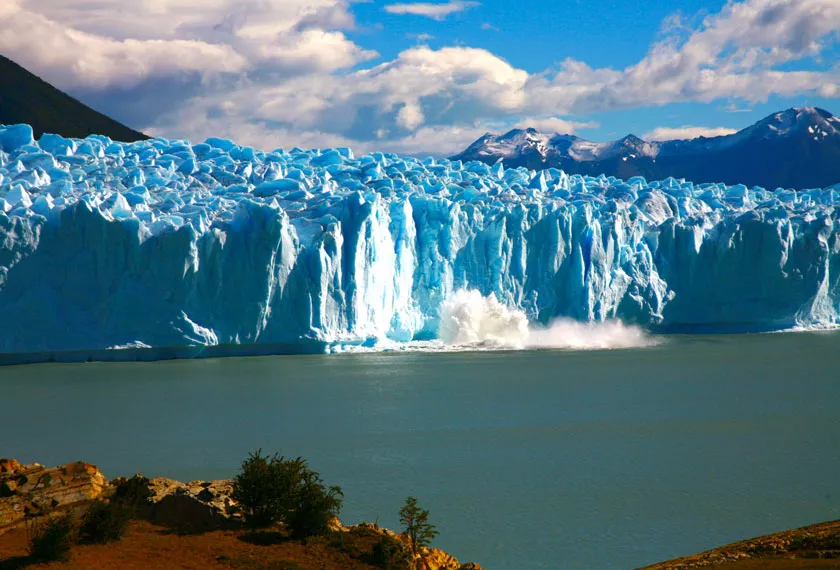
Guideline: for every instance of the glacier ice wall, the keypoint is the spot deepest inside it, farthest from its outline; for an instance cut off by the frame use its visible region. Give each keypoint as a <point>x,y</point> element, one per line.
<point>165,243</point>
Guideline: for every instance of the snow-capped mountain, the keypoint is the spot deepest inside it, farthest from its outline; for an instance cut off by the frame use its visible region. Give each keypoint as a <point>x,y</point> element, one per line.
<point>797,148</point>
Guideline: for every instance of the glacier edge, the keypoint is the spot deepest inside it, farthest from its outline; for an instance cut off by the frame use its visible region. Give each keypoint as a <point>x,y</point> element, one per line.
<point>167,244</point>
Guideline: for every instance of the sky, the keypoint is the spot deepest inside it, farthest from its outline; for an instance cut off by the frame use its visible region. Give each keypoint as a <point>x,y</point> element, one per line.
<point>428,78</point>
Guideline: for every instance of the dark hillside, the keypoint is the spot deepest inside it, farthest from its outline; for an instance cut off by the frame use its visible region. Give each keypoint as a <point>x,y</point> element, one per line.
<point>26,98</point>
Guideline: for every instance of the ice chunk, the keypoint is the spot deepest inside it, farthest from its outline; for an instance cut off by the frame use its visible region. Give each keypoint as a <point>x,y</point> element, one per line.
<point>13,137</point>
<point>42,160</point>
<point>18,196</point>
<point>267,189</point>
<point>118,206</point>
<point>43,205</point>
<point>221,144</point>
<point>56,145</point>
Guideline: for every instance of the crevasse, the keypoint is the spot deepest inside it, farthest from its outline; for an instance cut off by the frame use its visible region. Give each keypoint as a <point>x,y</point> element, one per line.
<point>165,243</point>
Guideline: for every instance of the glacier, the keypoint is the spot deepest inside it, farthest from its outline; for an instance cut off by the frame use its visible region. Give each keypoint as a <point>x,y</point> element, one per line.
<point>226,249</point>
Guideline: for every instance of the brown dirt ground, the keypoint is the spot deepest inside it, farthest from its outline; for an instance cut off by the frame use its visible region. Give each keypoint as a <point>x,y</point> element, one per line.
<point>149,547</point>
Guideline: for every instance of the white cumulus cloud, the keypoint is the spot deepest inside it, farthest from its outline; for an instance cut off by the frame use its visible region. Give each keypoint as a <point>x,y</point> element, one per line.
<point>73,57</point>
<point>735,53</point>
<point>437,11</point>
<point>686,133</point>
<point>93,44</point>
<point>555,125</point>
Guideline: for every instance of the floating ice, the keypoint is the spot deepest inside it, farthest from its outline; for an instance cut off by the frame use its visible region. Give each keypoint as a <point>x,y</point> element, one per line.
<point>169,244</point>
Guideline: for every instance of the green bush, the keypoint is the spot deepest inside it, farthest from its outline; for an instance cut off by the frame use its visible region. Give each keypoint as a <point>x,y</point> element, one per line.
<point>105,522</point>
<point>265,487</point>
<point>275,489</point>
<point>315,506</point>
<point>51,540</point>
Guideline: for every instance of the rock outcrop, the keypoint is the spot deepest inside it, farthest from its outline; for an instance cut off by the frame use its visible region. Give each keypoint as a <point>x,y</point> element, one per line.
<point>435,559</point>
<point>31,491</point>
<point>427,558</point>
<point>196,506</point>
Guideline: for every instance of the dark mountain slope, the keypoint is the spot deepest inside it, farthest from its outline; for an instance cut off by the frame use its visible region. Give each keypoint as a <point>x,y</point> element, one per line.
<point>26,98</point>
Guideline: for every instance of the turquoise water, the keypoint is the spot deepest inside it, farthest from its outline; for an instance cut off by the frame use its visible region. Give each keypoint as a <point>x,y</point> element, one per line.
<point>526,460</point>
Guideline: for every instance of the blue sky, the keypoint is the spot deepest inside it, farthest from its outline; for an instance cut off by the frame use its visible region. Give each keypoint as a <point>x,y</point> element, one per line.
<point>539,34</point>
<point>430,77</point>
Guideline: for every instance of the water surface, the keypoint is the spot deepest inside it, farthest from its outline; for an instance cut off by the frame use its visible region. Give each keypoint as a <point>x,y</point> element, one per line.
<point>531,459</point>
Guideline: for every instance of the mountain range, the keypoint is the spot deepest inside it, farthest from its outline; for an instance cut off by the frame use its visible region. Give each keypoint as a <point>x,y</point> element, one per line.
<point>797,148</point>
<point>26,98</point>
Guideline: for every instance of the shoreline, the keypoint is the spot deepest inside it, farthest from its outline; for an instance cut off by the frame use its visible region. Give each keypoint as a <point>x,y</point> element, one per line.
<point>808,547</point>
<point>160,354</point>
<point>311,347</point>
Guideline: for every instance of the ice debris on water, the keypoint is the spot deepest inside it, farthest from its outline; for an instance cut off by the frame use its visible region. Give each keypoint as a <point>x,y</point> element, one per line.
<point>167,243</point>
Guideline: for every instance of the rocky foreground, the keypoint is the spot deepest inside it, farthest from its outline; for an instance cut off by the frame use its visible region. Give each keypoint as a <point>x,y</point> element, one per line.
<point>815,546</point>
<point>179,525</point>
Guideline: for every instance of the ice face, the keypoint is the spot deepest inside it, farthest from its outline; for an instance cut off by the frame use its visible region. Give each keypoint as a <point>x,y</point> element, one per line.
<point>165,243</point>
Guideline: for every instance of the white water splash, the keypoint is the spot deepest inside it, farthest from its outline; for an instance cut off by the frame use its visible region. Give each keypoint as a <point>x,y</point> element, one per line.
<point>469,319</point>
<point>567,333</point>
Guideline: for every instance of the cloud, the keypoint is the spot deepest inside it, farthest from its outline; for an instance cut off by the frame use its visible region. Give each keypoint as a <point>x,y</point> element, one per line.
<point>436,11</point>
<point>686,133</point>
<point>489,27</point>
<point>169,18</point>
<point>420,38</point>
<point>732,108</point>
<point>421,87</point>
<point>311,50</point>
<point>89,44</point>
<point>73,57</point>
<point>555,125</point>
<point>440,140</point>
<point>829,90</point>
<point>733,54</point>
<point>329,17</point>
<point>434,141</point>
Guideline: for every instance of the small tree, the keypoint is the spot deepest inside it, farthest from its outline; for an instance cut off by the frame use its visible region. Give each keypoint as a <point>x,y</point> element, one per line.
<point>416,525</point>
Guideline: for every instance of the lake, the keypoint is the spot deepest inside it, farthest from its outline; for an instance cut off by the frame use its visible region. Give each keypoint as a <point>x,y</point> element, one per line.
<point>526,459</point>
